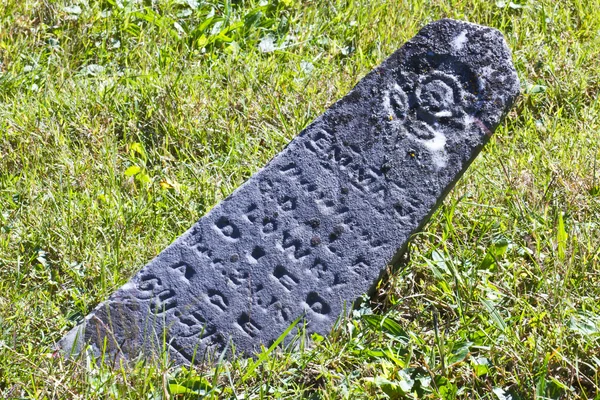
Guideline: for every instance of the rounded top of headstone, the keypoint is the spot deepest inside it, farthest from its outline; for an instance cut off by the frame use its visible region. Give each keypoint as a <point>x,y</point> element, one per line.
<point>448,53</point>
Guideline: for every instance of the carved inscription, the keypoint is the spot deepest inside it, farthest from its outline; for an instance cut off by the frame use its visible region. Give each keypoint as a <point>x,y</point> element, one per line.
<point>286,279</point>
<point>227,228</point>
<point>257,253</point>
<point>317,304</point>
<point>164,301</point>
<point>248,325</point>
<point>185,270</point>
<point>217,299</point>
<point>194,324</point>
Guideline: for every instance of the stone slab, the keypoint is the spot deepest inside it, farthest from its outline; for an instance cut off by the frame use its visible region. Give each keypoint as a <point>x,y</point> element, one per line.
<point>315,228</point>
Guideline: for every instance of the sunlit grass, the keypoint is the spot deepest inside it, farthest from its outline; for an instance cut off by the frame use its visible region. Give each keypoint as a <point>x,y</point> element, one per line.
<point>122,123</point>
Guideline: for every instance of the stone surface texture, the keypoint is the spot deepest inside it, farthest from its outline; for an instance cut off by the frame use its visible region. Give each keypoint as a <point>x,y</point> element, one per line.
<point>315,228</point>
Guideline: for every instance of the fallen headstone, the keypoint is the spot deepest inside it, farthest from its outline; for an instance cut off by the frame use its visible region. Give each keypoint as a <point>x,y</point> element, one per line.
<point>315,228</point>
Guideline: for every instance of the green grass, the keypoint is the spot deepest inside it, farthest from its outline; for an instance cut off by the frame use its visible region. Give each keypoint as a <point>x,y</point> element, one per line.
<point>122,123</point>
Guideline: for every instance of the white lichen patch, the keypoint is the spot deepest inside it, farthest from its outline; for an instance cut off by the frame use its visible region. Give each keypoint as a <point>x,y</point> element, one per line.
<point>486,71</point>
<point>459,41</point>
<point>442,114</point>
<point>128,286</point>
<point>468,120</point>
<point>395,103</point>
<point>437,147</point>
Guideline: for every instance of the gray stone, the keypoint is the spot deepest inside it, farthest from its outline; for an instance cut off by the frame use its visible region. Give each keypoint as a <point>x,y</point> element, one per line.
<point>315,228</point>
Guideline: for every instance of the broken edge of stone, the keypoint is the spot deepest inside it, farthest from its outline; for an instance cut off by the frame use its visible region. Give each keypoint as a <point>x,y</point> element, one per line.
<point>72,344</point>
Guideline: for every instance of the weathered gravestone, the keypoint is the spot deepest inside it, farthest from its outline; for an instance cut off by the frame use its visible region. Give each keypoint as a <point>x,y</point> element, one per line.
<point>314,230</point>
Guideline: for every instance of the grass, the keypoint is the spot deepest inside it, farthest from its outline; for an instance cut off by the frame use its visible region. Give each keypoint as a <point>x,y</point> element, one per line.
<point>122,122</point>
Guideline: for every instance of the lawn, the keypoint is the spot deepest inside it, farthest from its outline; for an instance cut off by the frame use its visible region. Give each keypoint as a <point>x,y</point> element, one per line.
<point>124,121</point>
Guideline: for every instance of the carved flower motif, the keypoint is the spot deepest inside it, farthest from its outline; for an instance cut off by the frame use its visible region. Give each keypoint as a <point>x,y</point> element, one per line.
<point>439,95</point>
<point>438,99</point>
